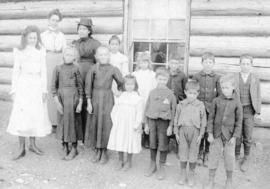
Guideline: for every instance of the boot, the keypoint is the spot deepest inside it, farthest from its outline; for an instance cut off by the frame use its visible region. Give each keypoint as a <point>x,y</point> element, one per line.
<point>183,174</point>
<point>128,163</point>
<point>246,162</point>
<point>120,162</point>
<point>200,158</point>
<point>145,140</point>
<point>97,156</point>
<point>104,157</point>
<point>65,149</point>
<point>211,179</point>
<point>191,177</point>
<point>73,153</point>
<point>229,180</point>
<point>21,152</point>
<point>34,148</point>
<point>153,167</point>
<point>161,171</point>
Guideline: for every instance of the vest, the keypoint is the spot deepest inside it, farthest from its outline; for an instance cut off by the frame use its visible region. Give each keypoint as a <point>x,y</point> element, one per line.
<point>245,96</point>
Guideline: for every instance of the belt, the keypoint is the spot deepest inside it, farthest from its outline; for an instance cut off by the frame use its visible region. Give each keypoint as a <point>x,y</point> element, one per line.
<point>54,51</point>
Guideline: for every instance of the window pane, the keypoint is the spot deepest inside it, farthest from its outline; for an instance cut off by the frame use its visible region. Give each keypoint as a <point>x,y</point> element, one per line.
<point>159,29</point>
<point>141,8</point>
<point>158,52</point>
<point>176,29</point>
<point>155,66</point>
<point>177,8</point>
<point>177,51</point>
<point>157,6</point>
<point>141,29</point>
<point>139,47</point>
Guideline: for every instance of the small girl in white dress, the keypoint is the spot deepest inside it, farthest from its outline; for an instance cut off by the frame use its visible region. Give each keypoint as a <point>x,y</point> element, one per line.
<point>127,114</point>
<point>29,116</point>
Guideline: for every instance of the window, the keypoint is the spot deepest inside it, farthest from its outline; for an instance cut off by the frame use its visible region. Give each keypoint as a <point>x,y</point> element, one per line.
<point>160,27</point>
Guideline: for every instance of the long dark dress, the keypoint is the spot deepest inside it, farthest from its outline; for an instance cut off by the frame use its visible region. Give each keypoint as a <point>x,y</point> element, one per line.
<point>98,88</point>
<point>87,49</point>
<point>67,85</point>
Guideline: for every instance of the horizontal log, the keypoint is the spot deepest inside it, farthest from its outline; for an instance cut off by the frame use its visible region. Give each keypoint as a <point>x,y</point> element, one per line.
<point>8,42</point>
<point>102,25</point>
<point>230,25</point>
<point>265,118</point>
<point>230,46</point>
<point>78,8</point>
<point>230,7</point>
<point>4,92</point>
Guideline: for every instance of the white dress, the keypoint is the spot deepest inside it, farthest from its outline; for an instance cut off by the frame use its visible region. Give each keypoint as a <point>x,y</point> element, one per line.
<point>126,115</point>
<point>29,116</point>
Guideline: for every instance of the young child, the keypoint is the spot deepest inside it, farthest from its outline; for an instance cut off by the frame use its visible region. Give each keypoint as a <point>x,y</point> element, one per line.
<point>100,101</point>
<point>209,89</point>
<point>127,115</point>
<point>224,126</point>
<point>67,90</point>
<point>159,116</point>
<point>146,79</point>
<point>29,116</point>
<point>189,128</point>
<point>248,89</point>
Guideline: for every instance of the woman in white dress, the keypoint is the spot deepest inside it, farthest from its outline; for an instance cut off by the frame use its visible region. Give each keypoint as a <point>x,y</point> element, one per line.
<point>29,116</point>
<point>54,42</point>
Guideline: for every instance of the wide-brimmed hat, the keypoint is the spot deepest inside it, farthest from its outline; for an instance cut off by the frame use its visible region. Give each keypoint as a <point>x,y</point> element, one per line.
<point>85,22</point>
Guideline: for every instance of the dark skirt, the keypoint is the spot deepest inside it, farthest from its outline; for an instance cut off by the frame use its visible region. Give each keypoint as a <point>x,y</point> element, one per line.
<point>70,124</point>
<point>99,123</point>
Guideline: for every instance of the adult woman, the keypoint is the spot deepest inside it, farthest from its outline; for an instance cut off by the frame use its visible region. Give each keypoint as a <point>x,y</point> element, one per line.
<point>29,116</point>
<point>54,42</point>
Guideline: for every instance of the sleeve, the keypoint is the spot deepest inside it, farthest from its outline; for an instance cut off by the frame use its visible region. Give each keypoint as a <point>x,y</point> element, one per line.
<point>259,101</point>
<point>43,71</point>
<point>173,108</point>
<point>146,108</point>
<point>238,120</point>
<point>16,71</point>
<point>139,113</point>
<point>96,45</point>
<point>203,120</point>
<point>89,80</point>
<point>210,124</point>
<point>125,66</point>
<point>218,87</point>
<point>177,115</point>
<point>195,77</point>
<point>55,81</point>
<point>117,76</point>
<point>79,82</point>
<point>184,81</point>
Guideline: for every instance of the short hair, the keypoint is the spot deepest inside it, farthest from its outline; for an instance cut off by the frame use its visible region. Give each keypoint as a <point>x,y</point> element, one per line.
<point>227,78</point>
<point>144,56</point>
<point>55,12</point>
<point>192,84</point>
<point>131,77</point>
<point>116,38</point>
<point>72,48</point>
<point>26,31</point>
<point>163,72</point>
<point>246,56</point>
<point>208,55</point>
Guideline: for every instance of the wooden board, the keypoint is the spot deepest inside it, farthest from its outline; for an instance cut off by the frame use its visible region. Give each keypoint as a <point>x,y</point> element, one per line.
<point>78,8</point>
<point>4,92</point>
<point>231,7</point>
<point>102,25</point>
<point>230,25</point>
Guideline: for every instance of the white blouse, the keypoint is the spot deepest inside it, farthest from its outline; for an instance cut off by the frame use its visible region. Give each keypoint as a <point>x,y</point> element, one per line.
<point>53,40</point>
<point>120,61</point>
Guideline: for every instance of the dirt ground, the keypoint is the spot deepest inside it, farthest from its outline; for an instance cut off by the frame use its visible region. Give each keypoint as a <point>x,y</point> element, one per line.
<point>49,171</point>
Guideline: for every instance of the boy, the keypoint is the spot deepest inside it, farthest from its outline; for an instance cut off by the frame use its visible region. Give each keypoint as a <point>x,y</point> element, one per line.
<point>209,89</point>
<point>159,116</point>
<point>224,126</point>
<point>248,89</point>
<point>189,128</point>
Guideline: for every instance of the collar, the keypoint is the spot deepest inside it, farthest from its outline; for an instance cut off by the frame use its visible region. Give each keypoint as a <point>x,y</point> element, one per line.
<point>84,39</point>
<point>52,30</point>
<point>185,102</point>
<point>231,98</point>
<point>212,74</point>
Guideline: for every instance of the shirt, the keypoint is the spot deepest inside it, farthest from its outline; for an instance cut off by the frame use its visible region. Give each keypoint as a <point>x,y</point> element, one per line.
<point>161,104</point>
<point>120,61</point>
<point>53,40</point>
<point>191,114</point>
<point>177,84</point>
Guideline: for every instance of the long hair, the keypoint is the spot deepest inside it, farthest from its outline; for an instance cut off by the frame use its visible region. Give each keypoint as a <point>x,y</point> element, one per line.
<point>144,56</point>
<point>25,33</point>
<point>131,77</point>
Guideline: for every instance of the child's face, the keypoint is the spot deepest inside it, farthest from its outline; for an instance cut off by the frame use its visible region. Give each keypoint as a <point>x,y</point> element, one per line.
<point>103,55</point>
<point>174,66</point>
<point>83,31</point>
<point>32,38</point>
<point>129,85</point>
<point>246,65</point>
<point>227,89</point>
<point>69,56</point>
<point>114,46</point>
<point>191,94</point>
<point>162,80</point>
<point>144,64</point>
<point>208,65</point>
<point>54,21</point>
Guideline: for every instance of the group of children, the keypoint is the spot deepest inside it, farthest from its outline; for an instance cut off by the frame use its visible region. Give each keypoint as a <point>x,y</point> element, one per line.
<point>208,115</point>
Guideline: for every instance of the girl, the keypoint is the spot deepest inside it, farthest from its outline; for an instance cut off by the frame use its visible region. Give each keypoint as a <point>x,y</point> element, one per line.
<point>100,99</point>
<point>29,116</point>
<point>146,82</point>
<point>54,42</point>
<point>127,116</point>
<point>67,90</point>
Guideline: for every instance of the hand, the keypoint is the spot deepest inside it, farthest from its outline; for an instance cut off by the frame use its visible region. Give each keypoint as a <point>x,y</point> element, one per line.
<point>146,129</point>
<point>117,93</point>
<point>177,138</point>
<point>59,108</point>
<point>232,140</point>
<point>79,108</point>
<point>199,140</point>
<point>89,108</point>
<point>44,97</point>
<point>258,117</point>
<point>169,131</point>
<point>210,137</point>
